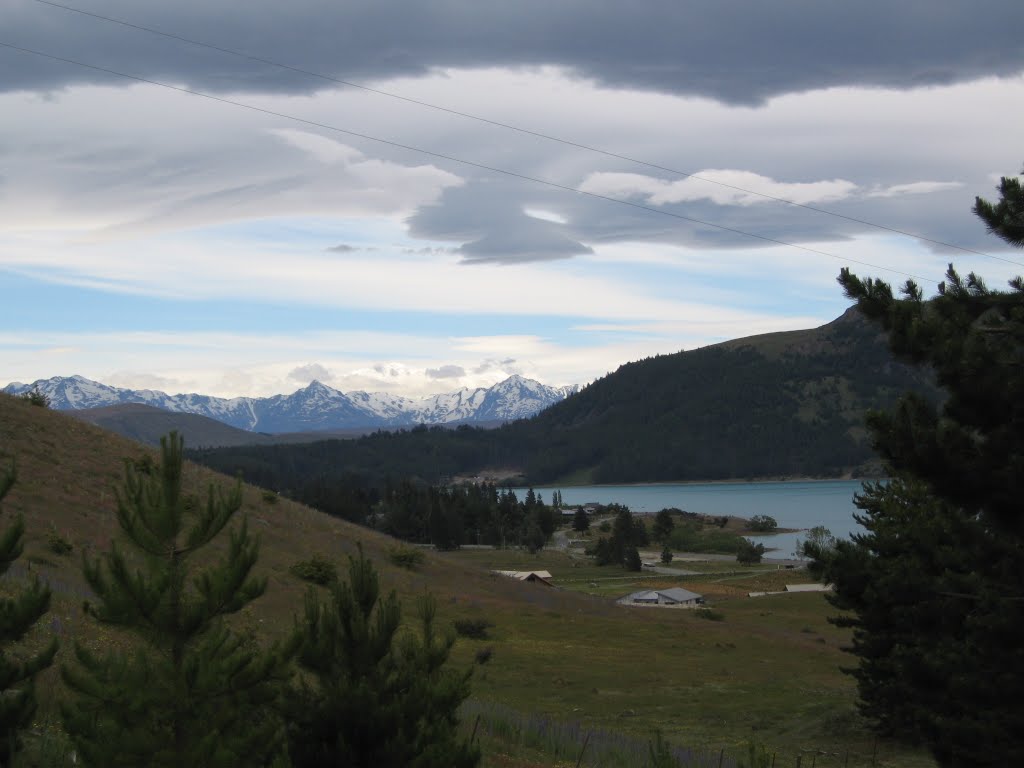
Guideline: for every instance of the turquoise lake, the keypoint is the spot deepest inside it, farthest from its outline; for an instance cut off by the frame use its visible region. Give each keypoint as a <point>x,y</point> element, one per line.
<point>797,504</point>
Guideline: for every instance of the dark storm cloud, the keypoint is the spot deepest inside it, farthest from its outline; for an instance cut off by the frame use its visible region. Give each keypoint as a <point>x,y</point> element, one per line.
<point>730,50</point>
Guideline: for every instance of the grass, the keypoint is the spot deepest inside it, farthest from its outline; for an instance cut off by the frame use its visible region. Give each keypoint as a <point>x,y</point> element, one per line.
<point>767,671</point>
<point>570,657</point>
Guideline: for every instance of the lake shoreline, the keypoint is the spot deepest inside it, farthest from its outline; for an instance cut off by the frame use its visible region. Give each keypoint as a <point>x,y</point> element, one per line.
<point>698,483</point>
<point>795,505</point>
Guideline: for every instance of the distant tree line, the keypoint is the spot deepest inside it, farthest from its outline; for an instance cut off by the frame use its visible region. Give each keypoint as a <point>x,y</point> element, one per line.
<point>466,514</point>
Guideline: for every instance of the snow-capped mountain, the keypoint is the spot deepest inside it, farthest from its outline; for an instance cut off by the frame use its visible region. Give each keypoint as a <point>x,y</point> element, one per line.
<point>317,406</point>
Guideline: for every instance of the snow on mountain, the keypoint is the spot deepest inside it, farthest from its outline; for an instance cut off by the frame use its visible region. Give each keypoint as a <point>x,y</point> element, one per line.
<point>515,398</point>
<point>317,406</point>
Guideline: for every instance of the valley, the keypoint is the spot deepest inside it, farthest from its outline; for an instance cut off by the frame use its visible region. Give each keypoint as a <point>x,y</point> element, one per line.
<point>767,672</point>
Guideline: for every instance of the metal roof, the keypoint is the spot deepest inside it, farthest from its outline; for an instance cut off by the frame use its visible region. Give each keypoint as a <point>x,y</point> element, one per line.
<point>679,594</point>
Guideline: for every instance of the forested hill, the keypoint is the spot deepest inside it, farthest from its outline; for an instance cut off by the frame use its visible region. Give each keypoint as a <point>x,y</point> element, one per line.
<point>777,405</point>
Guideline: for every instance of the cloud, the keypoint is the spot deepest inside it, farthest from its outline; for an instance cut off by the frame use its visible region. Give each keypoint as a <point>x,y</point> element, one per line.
<point>732,50</point>
<point>545,215</point>
<point>722,187</point>
<point>446,372</point>
<point>386,370</point>
<point>326,151</point>
<point>507,365</point>
<point>346,248</point>
<point>140,380</point>
<point>311,372</point>
<point>493,228</point>
<point>515,245</point>
<point>234,380</point>
<point>167,166</point>
<point>915,188</point>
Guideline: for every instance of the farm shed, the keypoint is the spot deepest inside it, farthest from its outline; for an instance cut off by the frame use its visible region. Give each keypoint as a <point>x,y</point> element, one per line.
<point>808,587</point>
<point>676,597</point>
<point>543,577</point>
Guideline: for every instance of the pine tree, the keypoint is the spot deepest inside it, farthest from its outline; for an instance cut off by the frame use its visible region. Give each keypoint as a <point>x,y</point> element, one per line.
<point>193,692</point>
<point>18,615</point>
<point>380,699</point>
<point>934,589</point>
<point>580,520</point>
<point>632,561</point>
<point>663,525</point>
<point>1005,218</point>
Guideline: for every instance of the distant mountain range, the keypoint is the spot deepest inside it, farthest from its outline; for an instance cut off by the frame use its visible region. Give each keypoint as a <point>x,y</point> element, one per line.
<point>778,405</point>
<point>316,407</point>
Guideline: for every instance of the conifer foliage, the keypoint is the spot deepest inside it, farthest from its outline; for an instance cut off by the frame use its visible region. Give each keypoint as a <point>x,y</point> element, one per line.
<point>193,692</point>
<point>379,697</point>
<point>1005,217</point>
<point>18,614</point>
<point>934,589</point>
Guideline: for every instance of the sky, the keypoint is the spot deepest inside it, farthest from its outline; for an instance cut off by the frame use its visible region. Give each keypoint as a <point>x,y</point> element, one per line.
<point>676,174</point>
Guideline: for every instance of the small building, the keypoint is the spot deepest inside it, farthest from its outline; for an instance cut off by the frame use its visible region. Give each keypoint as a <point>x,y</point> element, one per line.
<point>676,597</point>
<point>542,577</point>
<point>792,588</point>
<point>808,587</point>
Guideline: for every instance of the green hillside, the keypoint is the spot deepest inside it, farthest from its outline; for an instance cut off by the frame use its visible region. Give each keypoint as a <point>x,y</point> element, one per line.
<point>560,659</point>
<point>778,405</point>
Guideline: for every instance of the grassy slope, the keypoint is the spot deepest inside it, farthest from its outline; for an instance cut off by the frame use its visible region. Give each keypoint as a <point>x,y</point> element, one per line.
<point>768,671</point>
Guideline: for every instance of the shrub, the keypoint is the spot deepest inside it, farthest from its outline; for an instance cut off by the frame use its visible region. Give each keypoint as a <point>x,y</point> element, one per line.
<point>710,614</point>
<point>406,557</point>
<point>476,629</point>
<point>757,757</point>
<point>763,523</point>
<point>749,553</point>
<point>58,544</point>
<point>269,497</point>
<point>484,655</point>
<point>144,464</point>
<point>37,398</point>
<point>666,555</point>
<point>318,570</point>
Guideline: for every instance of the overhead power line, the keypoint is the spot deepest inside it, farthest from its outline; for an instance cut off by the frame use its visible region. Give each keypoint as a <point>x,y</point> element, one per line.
<point>525,131</point>
<point>453,159</point>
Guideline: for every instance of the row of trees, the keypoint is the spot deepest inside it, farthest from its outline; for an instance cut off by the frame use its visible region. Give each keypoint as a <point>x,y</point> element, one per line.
<point>193,691</point>
<point>467,514</point>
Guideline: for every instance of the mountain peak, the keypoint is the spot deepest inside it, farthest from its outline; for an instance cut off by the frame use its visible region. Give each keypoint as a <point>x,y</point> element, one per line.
<point>316,406</point>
